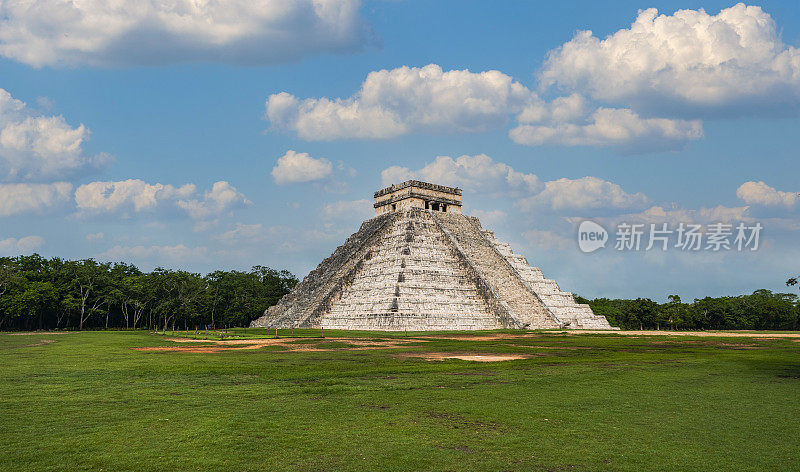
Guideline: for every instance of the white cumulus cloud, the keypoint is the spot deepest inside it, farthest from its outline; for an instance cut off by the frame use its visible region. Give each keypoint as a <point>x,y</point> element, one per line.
<point>103,33</point>
<point>134,196</point>
<point>394,102</point>
<point>475,172</point>
<point>482,174</point>
<point>569,121</point>
<point>295,167</point>
<point>759,193</point>
<point>16,199</point>
<point>704,215</point>
<point>131,195</point>
<point>15,247</point>
<point>39,147</point>
<point>582,194</point>
<point>686,62</point>
<point>407,100</point>
<point>222,198</point>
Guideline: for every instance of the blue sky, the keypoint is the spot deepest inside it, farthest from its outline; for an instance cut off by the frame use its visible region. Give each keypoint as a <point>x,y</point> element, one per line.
<point>152,134</point>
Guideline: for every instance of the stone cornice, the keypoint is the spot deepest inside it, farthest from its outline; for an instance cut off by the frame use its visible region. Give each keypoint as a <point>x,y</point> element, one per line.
<point>418,184</point>
<point>412,194</point>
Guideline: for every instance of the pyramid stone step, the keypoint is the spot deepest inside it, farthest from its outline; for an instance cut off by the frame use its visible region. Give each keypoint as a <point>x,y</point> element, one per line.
<point>408,275</point>
<point>524,305</point>
<point>561,304</point>
<point>421,265</point>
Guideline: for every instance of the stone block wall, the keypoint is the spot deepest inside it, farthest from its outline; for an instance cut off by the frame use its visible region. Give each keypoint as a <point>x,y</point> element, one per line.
<point>562,305</point>
<point>418,269</point>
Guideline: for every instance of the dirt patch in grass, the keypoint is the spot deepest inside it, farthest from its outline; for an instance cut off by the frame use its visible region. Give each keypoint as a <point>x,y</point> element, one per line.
<point>362,344</point>
<point>336,345</point>
<point>440,356</point>
<point>480,337</point>
<point>287,344</point>
<point>192,348</point>
<point>307,341</point>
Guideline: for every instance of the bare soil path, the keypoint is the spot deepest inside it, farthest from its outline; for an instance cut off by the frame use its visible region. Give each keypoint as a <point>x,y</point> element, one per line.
<point>289,344</point>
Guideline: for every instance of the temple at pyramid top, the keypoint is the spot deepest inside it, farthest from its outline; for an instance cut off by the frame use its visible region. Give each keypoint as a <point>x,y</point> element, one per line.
<point>416,194</point>
<point>419,264</point>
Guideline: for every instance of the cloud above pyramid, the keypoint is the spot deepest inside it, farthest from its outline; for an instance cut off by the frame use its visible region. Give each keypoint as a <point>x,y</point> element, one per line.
<point>688,62</point>
<point>150,32</point>
<point>39,147</point>
<point>430,100</point>
<point>483,174</point>
<point>645,88</point>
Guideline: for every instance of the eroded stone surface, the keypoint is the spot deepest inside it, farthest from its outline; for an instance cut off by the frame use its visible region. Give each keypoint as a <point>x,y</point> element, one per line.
<point>412,268</point>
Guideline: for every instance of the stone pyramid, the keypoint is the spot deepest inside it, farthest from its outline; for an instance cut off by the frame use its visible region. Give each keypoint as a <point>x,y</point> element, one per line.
<point>420,264</point>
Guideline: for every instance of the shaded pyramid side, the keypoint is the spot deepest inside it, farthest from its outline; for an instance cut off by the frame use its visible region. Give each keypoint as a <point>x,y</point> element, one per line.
<point>311,298</point>
<point>521,302</point>
<point>413,280</point>
<point>427,270</point>
<point>399,271</point>
<point>569,312</point>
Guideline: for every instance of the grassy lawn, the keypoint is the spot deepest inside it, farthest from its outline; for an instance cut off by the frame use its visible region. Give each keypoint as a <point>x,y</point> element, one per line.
<point>88,401</point>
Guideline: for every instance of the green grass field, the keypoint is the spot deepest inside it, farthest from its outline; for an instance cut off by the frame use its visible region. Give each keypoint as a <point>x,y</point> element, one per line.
<point>88,401</point>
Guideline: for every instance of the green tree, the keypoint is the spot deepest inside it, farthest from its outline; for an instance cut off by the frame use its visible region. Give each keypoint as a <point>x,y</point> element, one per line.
<point>674,312</point>
<point>10,281</point>
<point>177,295</point>
<point>88,290</point>
<point>34,301</point>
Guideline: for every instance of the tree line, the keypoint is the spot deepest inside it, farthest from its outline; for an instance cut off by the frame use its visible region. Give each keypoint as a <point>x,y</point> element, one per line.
<point>39,293</point>
<point>762,310</point>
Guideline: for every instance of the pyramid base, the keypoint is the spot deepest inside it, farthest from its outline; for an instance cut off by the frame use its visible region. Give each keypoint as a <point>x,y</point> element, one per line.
<point>411,322</point>
<point>423,270</point>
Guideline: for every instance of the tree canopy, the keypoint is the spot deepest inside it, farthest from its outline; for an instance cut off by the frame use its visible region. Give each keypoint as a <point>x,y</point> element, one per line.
<point>762,309</point>
<point>39,293</point>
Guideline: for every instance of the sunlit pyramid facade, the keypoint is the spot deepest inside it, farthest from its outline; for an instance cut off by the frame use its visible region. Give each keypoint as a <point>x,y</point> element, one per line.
<point>420,264</point>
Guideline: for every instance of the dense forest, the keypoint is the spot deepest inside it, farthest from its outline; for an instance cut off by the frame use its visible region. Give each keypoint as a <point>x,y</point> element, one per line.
<point>761,310</point>
<point>39,293</point>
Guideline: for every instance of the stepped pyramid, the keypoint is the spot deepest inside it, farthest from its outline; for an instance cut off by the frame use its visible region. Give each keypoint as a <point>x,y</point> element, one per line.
<point>420,264</point>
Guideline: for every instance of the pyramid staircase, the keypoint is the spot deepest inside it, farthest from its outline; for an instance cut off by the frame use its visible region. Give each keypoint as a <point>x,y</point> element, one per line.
<point>420,269</point>
<point>562,305</point>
